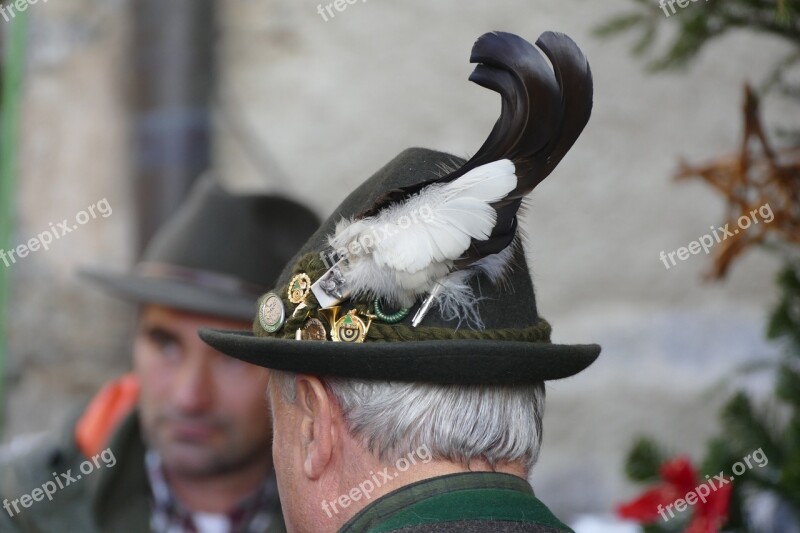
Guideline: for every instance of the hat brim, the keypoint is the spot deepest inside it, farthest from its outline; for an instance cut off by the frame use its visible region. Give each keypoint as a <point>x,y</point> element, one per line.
<point>177,294</point>
<point>467,362</point>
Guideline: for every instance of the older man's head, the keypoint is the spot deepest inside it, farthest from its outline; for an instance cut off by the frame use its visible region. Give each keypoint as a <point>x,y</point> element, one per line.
<point>341,443</point>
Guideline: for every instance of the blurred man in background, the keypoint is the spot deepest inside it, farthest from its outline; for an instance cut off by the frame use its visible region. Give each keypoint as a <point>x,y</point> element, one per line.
<point>183,442</point>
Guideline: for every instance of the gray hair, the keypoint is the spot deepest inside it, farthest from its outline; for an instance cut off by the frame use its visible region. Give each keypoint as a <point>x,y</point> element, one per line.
<point>458,423</point>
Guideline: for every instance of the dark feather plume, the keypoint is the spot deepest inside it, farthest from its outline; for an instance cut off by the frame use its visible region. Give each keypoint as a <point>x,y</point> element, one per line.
<point>544,111</point>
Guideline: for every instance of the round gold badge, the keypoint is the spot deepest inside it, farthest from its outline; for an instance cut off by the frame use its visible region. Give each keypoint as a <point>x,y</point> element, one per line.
<point>349,328</point>
<point>314,330</point>
<point>271,313</point>
<point>299,287</point>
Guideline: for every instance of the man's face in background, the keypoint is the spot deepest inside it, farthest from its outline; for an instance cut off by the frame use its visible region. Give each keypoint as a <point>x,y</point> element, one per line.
<point>204,412</point>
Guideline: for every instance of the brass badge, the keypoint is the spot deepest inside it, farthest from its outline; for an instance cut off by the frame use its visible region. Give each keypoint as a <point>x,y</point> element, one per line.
<point>271,313</point>
<point>314,330</point>
<point>299,288</point>
<point>349,328</point>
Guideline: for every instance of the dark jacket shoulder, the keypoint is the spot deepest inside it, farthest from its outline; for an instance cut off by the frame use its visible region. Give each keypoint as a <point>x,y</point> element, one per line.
<point>54,486</point>
<point>479,526</point>
<point>47,464</point>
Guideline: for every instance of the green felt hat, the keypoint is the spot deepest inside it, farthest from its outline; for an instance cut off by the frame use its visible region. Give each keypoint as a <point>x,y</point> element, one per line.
<point>204,259</point>
<point>420,274</point>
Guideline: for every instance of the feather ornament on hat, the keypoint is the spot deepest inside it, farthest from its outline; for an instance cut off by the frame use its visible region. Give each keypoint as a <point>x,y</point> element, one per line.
<point>439,233</point>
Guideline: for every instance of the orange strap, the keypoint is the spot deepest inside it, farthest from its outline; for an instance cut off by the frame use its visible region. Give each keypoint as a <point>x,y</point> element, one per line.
<point>104,413</point>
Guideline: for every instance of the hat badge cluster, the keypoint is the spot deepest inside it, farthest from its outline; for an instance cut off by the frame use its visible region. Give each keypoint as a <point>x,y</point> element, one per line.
<point>333,322</point>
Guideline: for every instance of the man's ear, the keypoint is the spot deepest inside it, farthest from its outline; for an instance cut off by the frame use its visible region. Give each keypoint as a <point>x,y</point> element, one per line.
<point>316,424</point>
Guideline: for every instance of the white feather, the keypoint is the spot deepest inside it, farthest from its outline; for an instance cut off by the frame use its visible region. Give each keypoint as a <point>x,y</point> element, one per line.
<point>495,266</point>
<point>402,251</point>
<point>457,301</point>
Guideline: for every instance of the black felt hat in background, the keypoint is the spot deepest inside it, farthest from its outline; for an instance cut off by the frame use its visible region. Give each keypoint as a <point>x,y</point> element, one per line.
<point>471,314</point>
<point>217,254</point>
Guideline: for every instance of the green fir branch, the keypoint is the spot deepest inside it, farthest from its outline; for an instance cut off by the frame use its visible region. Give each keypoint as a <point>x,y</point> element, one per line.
<point>644,460</point>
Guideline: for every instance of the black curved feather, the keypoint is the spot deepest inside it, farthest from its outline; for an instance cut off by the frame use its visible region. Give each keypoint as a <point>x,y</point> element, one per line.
<point>575,79</point>
<point>544,111</point>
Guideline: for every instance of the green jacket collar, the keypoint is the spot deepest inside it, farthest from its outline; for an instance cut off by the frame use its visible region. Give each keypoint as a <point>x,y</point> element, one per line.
<point>122,493</point>
<point>454,497</point>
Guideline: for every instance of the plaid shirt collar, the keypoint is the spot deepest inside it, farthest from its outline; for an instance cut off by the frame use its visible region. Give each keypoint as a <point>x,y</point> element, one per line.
<point>251,515</point>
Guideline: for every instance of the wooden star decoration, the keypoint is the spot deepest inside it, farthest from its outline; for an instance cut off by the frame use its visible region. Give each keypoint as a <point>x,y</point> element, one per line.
<point>756,176</point>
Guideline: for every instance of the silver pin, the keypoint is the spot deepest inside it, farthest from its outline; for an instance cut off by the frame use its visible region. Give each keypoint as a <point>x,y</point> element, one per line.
<point>426,306</point>
<point>331,288</point>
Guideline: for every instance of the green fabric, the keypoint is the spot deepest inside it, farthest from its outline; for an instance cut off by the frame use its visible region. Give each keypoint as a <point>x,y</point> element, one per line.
<point>122,495</point>
<point>539,332</point>
<point>455,497</point>
<point>73,508</point>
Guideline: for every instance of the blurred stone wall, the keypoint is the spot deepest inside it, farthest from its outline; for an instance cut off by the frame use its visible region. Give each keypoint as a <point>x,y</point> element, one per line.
<point>66,338</point>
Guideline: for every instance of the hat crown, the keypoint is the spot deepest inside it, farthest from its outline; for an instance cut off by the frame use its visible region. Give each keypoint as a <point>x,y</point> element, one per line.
<point>248,238</point>
<point>216,254</point>
<point>510,304</point>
